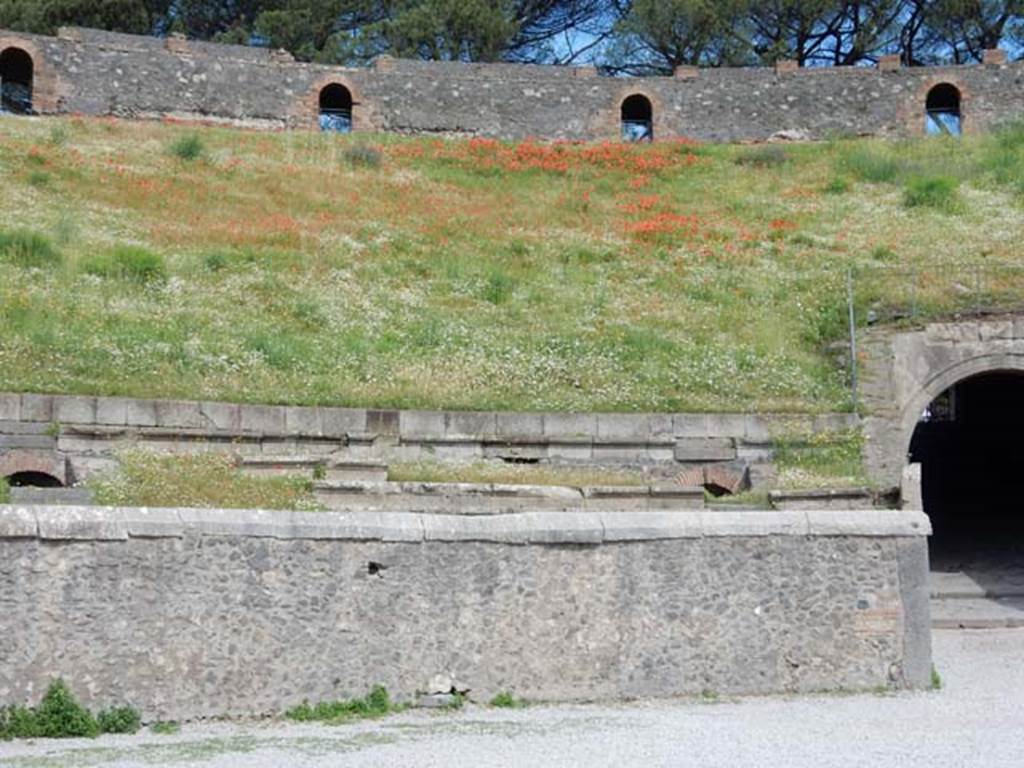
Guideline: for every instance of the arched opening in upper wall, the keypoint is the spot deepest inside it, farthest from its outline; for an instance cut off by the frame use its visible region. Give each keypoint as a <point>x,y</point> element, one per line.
<point>336,108</point>
<point>942,111</point>
<point>967,443</point>
<point>17,71</point>
<point>33,479</point>
<point>637,118</point>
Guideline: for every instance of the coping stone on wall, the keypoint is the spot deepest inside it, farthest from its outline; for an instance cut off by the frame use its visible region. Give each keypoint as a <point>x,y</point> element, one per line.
<point>580,527</point>
<point>81,523</point>
<point>181,414</point>
<point>37,408</point>
<point>868,522</point>
<point>73,409</point>
<point>18,523</point>
<point>10,407</point>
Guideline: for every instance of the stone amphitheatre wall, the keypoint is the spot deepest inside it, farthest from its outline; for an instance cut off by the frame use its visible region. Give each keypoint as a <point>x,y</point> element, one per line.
<point>196,613</point>
<point>99,73</point>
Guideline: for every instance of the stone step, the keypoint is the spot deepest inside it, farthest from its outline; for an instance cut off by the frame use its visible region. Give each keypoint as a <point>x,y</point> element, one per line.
<point>323,468</point>
<point>495,498</point>
<point>991,582</point>
<point>63,497</point>
<point>977,613</point>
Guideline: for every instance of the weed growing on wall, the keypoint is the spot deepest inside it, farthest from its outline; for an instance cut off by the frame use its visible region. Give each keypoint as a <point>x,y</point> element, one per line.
<point>376,703</point>
<point>59,715</point>
<point>5,491</point>
<point>147,479</point>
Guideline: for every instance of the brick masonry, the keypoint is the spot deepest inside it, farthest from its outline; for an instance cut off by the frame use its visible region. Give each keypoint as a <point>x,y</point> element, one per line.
<point>196,613</point>
<point>101,73</point>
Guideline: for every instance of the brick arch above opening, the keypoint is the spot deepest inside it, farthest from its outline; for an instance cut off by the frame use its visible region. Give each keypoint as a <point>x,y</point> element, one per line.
<point>306,112</point>
<point>47,92</point>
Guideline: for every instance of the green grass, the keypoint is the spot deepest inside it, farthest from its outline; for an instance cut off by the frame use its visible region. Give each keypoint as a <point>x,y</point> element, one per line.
<point>5,491</point>
<point>938,192</point>
<point>825,460</point>
<point>211,480</point>
<point>473,275</point>
<point>27,249</point>
<point>165,727</point>
<point>126,262</point>
<point>377,703</point>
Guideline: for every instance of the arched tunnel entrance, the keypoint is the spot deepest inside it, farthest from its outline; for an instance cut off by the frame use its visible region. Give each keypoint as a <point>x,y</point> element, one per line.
<point>969,445</point>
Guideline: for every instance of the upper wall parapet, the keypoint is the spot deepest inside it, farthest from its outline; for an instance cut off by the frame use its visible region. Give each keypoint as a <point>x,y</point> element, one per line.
<point>94,72</point>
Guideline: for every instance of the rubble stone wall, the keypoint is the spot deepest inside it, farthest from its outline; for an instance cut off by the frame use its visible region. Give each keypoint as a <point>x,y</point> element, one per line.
<point>197,613</point>
<point>101,73</point>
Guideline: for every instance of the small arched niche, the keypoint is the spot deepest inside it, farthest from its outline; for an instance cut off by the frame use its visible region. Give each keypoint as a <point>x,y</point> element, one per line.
<point>33,479</point>
<point>17,71</point>
<point>336,109</point>
<point>942,111</point>
<point>637,118</point>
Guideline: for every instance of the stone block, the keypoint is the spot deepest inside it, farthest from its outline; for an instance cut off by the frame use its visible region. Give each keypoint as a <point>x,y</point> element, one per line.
<point>690,425</point>
<point>302,421</point>
<point>338,422</point>
<point>72,409</point>
<point>142,523</point>
<point>705,449</point>
<point>754,523</point>
<point>624,426</point>
<point>179,414</point>
<point>683,72</point>
<point>37,407</point>
<point>383,422</point>
<point>868,522</point>
<point>910,488</point>
<point>1002,330</point>
<point>18,523</point>
<point>890,62</point>
<point>421,423</point>
<point>756,429</point>
<point>141,413</point>
<point>574,425</point>
<point>222,416</point>
<point>726,425</point>
<point>648,526</point>
<point>28,442</point>
<point>262,419</point>
<point>570,451</point>
<point>520,424</point>
<point>112,410</point>
<point>785,66</point>
<point>81,524</point>
<point>10,407</point>
<point>473,423</point>
<point>993,57</point>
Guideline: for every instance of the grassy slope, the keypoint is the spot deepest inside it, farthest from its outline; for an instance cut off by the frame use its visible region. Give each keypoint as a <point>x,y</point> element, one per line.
<point>468,275</point>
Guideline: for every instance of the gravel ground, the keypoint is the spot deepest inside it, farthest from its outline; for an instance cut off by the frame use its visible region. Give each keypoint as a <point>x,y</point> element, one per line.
<point>976,720</point>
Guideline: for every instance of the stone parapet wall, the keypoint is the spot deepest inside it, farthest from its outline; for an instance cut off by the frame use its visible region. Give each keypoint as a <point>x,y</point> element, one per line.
<point>88,431</point>
<point>103,73</point>
<point>196,613</point>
